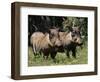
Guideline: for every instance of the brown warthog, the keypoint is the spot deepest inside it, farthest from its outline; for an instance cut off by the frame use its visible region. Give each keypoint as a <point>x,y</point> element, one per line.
<point>54,36</point>
<point>40,41</point>
<point>69,41</point>
<point>45,42</point>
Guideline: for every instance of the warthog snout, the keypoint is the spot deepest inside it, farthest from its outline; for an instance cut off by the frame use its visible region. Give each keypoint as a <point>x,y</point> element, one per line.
<point>78,40</point>
<point>76,36</point>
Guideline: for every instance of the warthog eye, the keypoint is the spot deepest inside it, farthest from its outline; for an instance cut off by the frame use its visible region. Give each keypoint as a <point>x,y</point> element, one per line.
<point>75,39</point>
<point>73,35</point>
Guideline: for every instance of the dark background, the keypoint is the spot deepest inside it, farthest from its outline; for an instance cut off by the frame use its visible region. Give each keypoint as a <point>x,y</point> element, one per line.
<point>44,23</point>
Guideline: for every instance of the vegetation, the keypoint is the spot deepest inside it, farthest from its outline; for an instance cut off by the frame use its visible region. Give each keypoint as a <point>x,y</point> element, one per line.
<point>61,58</point>
<point>44,23</point>
<point>80,22</point>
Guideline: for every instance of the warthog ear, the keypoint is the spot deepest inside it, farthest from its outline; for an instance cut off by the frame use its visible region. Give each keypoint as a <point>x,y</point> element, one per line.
<point>54,30</point>
<point>79,28</point>
<point>70,29</point>
<point>76,28</point>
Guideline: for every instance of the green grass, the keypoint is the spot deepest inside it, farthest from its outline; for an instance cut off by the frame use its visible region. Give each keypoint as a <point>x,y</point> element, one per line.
<point>61,58</point>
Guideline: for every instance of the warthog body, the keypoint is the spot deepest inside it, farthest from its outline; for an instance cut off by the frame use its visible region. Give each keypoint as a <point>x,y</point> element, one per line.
<point>69,42</point>
<point>45,42</point>
<point>40,42</point>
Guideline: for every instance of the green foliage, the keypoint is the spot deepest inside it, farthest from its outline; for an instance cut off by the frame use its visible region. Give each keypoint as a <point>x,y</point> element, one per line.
<point>80,22</point>
<point>61,58</point>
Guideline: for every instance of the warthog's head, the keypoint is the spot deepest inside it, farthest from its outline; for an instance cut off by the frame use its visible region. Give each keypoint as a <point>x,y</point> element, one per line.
<point>54,37</point>
<point>76,36</point>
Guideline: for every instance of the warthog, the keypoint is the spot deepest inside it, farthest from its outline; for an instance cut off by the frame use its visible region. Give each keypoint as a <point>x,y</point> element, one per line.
<point>44,43</point>
<point>69,41</point>
<point>40,41</point>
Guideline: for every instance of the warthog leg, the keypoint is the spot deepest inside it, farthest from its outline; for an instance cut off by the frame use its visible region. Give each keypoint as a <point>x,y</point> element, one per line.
<point>67,53</point>
<point>74,53</point>
<point>53,55</point>
<point>45,53</point>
